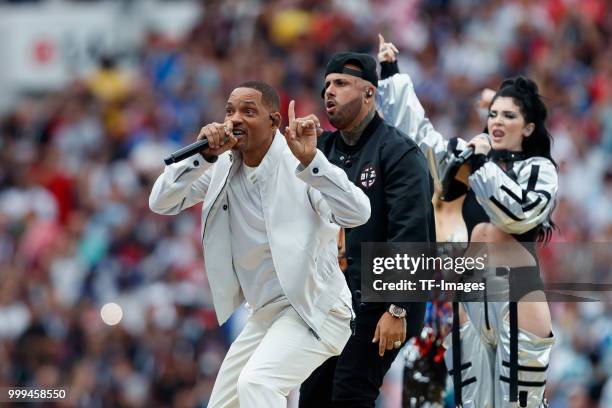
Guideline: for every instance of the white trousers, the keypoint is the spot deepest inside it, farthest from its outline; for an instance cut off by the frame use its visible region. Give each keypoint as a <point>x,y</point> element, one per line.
<point>275,352</point>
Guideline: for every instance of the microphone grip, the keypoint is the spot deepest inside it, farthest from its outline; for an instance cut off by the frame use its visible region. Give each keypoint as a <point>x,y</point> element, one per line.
<point>466,154</point>
<point>186,152</point>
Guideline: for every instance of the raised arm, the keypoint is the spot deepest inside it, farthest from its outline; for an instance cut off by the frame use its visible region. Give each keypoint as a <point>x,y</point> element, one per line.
<point>331,192</point>
<point>400,107</point>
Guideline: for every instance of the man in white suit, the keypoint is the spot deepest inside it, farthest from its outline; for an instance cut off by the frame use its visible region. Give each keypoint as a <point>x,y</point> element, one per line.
<point>272,209</point>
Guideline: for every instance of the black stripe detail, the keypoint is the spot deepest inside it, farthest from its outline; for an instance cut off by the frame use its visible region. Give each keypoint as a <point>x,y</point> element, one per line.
<point>486,305</point>
<point>526,368</point>
<point>511,194</point>
<point>548,198</point>
<point>513,397</point>
<point>524,198</point>
<point>463,367</point>
<point>532,205</point>
<point>456,342</point>
<point>524,383</point>
<point>452,144</point>
<point>512,174</point>
<point>504,209</point>
<point>544,193</point>
<point>468,382</point>
<point>531,184</point>
<point>533,177</point>
<point>523,399</point>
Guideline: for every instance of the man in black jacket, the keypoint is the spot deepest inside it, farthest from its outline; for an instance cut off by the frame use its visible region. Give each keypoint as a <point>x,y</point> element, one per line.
<point>393,172</point>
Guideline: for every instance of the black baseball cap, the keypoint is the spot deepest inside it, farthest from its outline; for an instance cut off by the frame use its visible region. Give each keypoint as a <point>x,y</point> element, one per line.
<point>336,65</point>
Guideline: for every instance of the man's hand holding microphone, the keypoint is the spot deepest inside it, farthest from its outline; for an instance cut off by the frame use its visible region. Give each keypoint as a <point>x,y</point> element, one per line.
<point>220,139</point>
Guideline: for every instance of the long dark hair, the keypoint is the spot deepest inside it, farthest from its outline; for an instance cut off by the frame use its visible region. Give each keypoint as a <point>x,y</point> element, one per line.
<point>524,92</point>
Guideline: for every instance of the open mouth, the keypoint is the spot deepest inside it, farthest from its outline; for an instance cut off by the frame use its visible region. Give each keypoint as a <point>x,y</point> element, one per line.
<point>498,133</point>
<point>330,106</point>
<point>238,133</point>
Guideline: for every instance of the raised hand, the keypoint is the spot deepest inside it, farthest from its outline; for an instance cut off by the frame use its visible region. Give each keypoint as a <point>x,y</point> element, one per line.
<point>220,138</point>
<point>386,51</point>
<point>301,135</point>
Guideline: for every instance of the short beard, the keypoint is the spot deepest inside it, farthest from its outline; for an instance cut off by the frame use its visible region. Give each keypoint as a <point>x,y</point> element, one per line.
<point>346,113</point>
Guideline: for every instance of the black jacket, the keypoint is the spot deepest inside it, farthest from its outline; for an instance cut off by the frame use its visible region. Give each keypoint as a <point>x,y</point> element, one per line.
<point>392,171</point>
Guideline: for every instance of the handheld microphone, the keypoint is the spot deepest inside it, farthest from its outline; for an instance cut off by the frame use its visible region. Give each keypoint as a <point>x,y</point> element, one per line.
<point>187,151</point>
<point>468,152</point>
<point>464,155</point>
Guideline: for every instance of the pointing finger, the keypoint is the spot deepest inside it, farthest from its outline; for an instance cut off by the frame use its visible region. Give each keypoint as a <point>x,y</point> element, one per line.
<point>381,41</point>
<point>291,114</point>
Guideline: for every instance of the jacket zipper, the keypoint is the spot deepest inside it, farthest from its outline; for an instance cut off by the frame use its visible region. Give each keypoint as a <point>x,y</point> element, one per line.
<point>314,332</point>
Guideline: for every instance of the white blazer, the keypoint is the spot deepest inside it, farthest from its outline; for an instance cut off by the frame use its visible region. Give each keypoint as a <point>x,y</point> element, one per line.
<point>303,209</point>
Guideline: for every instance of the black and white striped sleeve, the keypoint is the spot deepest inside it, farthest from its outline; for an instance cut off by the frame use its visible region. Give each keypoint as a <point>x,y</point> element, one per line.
<point>516,206</point>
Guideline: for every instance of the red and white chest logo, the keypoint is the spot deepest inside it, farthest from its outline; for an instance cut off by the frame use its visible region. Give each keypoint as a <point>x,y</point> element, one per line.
<point>367,178</point>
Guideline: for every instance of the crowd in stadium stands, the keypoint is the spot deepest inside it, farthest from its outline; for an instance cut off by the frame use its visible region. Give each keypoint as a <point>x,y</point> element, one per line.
<point>77,165</point>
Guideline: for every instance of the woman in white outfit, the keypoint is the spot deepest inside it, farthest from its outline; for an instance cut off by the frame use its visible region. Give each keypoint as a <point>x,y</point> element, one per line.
<point>500,350</point>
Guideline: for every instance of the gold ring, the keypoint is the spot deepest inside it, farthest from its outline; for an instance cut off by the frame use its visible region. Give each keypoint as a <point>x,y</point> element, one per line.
<point>397,344</point>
